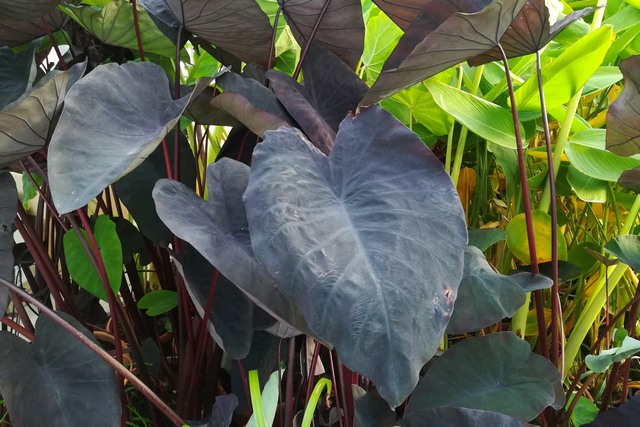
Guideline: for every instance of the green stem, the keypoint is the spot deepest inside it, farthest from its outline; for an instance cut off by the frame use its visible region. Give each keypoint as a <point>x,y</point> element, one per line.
<point>457,162</point>
<point>313,402</point>
<point>447,161</point>
<point>598,297</point>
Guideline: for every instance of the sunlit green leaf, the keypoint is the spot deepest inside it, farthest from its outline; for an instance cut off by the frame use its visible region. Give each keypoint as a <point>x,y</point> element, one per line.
<point>606,358</point>
<point>518,242</point>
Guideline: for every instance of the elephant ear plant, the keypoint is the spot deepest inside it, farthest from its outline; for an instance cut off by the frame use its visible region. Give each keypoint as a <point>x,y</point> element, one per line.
<point>256,200</point>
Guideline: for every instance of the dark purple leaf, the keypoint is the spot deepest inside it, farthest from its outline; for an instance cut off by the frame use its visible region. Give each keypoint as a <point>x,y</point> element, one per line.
<point>402,13</point>
<point>529,32</point>
<point>251,103</point>
<point>630,179</point>
<point>341,29</point>
<point>624,416</point>
<point>370,409</point>
<point>442,416</point>
<point>218,229</point>
<point>222,412</point>
<point>238,26</point>
<point>239,145</point>
<point>484,296</point>
<point>231,316</point>
<point>167,22</point>
<point>17,73</point>
<point>423,51</point>
<point>113,119</point>
<point>25,10</point>
<point>356,244</point>
<point>623,117</point>
<point>331,91</point>
<point>497,372</point>
<point>57,380</point>
<point>8,209</point>
<point>13,33</point>
<point>200,110</point>
<point>26,123</point>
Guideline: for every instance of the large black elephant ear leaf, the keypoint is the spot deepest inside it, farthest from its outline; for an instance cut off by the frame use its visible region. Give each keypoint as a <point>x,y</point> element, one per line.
<point>24,10</point>
<point>442,416</point>
<point>484,296</point>
<point>370,409</point>
<point>529,32</point>
<point>341,27</point>
<point>113,119</point>
<point>323,227</point>
<point>8,209</point>
<point>167,22</point>
<point>402,13</point>
<point>218,229</point>
<point>13,33</point>
<point>497,373</point>
<point>622,416</point>
<point>86,390</point>
<point>424,51</point>
<point>623,117</point>
<point>240,27</point>
<point>26,123</point>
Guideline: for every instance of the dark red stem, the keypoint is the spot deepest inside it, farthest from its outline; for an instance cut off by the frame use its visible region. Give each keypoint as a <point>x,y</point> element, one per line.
<point>136,24</point>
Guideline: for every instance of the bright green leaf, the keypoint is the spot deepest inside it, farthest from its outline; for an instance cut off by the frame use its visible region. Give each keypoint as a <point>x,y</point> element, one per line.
<point>518,242</point>
<point>588,189</point>
<point>584,412</point>
<point>28,189</point>
<point>113,24</point>
<point>159,302</point>
<point>381,37</point>
<point>80,266</point>
<point>485,119</point>
<point>599,164</point>
<point>269,399</point>
<point>564,76</point>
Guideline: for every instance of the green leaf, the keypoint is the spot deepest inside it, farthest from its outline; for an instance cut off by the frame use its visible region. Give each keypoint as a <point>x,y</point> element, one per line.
<point>113,24</point>
<point>584,412</point>
<point>606,358</point>
<point>159,302</point>
<point>564,76</point>
<point>483,238</point>
<point>28,190</point>
<point>588,189</point>
<point>381,37</point>
<point>599,163</point>
<point>626,248</point>
<point>485,119</point>
<point>269,399</point>
<point>518,243</point>
<point>80,266</point>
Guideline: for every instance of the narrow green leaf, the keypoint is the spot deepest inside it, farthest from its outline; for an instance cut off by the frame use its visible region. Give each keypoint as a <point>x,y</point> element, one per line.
<point>485,119</point>
<point>80,266</point>
<point>564,76</point>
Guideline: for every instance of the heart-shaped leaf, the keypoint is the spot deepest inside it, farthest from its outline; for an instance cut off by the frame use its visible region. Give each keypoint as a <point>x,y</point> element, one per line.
<point>623,416</point>
<point>84,386</point>
<point>517,238</point>
<point>218,229</point>
<point>251,103</point>
<point>484,296</point>
<point>25,124</point>
<point>240,27</point>
<point>623,116</point>
<point>166,21</point>
<point>497,372</point>
<point>8,209</point>
<point>484,238</point>
<point>529,32</point>
<point>222,412</point>
<point>231,316</point>
<point>630,179</point>
<point>356,243</point>
<point>112,120</point>
<point>606,358</point>
<point>158,302</point>
<point>25,10</point>
<point>114,24</point>
<point>331,91</point>
<point>80,266</point>
<point>341,28</point>
<point>13,33</point>
<point>404,13</point>
<point>425,49</point>
<point>442,416</point>
<point>381,37</point>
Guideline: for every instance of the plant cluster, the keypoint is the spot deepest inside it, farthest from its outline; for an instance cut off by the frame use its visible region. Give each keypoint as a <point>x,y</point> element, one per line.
<point>378,213</point>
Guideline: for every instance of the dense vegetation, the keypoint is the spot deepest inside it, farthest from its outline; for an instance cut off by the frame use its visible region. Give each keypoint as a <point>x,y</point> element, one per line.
<point>339,212</point>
